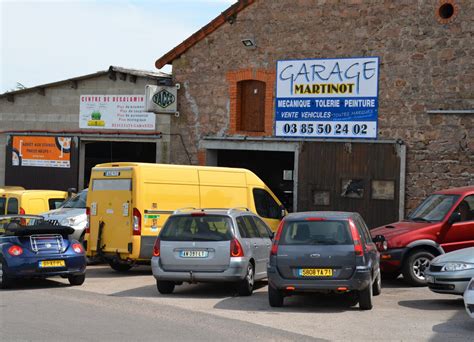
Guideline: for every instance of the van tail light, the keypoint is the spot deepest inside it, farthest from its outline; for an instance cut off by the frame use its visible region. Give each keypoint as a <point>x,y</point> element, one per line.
<point>236,249</point>
<point>358,249</point>
<point>22,211</point>
<point>15,250</point>
<point>276,239</point>
<point>156,247</point>
<point>88,222</point>
<point>137,222</point>
<point>77,248</point>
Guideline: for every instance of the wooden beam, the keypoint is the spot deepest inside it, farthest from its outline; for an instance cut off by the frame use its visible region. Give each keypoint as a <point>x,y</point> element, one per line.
<point>132,78</point>
<point>123,76</point>
<point>41,91</point>
<point>10,98</point>
<point>73,84</point>
<point>113,75</point>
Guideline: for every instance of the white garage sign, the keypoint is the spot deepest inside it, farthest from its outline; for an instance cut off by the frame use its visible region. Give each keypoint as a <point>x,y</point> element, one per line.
<point>115,112</point>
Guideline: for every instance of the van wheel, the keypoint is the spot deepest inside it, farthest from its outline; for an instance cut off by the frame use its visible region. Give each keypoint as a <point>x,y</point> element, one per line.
<point>165,287</point>
<point>365,298</point>
<point>245,287</point>
<point>275,297</point>
<point>76,280</point>
<point>5,281</point>
<point>120,267</point>
<point>414,267</point>
<point>377,286</point>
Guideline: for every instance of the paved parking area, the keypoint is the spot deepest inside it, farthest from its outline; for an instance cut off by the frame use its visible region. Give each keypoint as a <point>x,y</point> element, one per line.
<point>400,313</point>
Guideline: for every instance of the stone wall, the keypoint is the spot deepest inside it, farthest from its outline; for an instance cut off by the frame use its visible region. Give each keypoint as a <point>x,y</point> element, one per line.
<point>424,65</point>
<point>58,109</point>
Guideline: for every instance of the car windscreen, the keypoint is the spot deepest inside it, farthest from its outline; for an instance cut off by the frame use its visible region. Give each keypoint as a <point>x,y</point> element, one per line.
<point>434,208</point>
<point>78,201</point>
<point>316,233</point>
<point>197,228</point>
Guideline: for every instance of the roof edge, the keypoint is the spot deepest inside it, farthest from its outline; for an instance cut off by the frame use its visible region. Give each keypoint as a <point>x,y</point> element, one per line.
<point>220,20</point>
<point>111,69</point>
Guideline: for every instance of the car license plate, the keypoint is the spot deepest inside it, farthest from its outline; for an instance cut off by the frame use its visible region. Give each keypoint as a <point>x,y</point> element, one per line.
<point>430,279</point>
<point>193,254</point>
<point>52,263</point>
<point>315,272</point>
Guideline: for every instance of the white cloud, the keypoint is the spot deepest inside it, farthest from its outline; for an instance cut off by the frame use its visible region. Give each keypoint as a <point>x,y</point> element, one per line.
<point>47,41</point>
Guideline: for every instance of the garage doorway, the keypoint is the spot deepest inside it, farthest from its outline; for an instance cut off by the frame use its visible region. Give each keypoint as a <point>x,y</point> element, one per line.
<point>274,168</point>
<point>97,152</point>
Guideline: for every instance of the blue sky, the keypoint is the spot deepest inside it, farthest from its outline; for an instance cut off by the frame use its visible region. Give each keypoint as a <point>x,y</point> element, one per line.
<point>48,41</point>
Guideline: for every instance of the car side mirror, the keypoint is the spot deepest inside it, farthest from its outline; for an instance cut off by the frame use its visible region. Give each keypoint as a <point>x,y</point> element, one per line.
<point>455,217</point>
<point>271,235</point>
<point>70,192</point>
<point>378,239</point>
<point>282,211</point>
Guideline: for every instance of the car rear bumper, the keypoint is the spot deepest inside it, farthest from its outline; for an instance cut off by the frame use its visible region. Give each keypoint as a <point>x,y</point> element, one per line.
<point>236,271</point>
<point>391,259</point>
<point>29,267</point>
<point>359,281</point>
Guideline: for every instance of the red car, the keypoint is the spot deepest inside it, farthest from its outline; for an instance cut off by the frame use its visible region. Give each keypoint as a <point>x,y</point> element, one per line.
<point>442,223</point>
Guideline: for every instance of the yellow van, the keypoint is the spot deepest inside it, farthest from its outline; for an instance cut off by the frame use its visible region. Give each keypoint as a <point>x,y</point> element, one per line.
<point>128,203</point>
<point>31,202</point>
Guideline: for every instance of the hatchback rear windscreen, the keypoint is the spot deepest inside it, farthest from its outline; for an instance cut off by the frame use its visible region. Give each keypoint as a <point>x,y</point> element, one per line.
<point>197,228</point>
<point>316,233</point>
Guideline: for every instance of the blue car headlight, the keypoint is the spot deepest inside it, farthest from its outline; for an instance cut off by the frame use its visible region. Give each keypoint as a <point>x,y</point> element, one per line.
<point>457,266</point>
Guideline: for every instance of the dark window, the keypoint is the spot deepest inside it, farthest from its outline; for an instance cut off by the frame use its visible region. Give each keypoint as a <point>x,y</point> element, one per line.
<point>3,202</point>
<point>246,228</point>
<point>466,208</point>
<point>265,204</point>
<point>251,105</point>
<point>363,230</point>
<point>197,228</point>
<point>352,188</point>
<point>263,229</point>
<point>12,207</point>
<point>316,233</point>
<point>55,203</point>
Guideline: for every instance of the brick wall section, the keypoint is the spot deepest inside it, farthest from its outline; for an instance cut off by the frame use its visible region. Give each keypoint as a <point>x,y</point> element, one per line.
<point>266,76</point>
<point>202,157</point>
<point>424,65</point>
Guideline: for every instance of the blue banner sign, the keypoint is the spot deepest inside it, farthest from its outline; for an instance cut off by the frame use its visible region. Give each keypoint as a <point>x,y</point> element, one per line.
<point>327,98</point>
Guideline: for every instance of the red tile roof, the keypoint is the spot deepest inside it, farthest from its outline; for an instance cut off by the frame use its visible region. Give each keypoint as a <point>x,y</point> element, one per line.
<point>226,16</point>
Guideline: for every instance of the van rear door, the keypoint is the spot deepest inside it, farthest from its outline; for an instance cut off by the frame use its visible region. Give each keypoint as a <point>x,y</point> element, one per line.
<point>110,200</point>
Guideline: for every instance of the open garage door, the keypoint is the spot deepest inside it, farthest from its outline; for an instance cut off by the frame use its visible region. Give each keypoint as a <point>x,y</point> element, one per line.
<point>274,168</point>
<point>97,152</point>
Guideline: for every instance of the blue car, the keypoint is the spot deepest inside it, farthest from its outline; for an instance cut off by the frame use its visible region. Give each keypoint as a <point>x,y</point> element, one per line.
<point>33,248</point>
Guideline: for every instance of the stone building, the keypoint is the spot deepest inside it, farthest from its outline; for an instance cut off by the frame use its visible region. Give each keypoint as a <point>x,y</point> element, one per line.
<point>33,120</point>
<point>425,127</point>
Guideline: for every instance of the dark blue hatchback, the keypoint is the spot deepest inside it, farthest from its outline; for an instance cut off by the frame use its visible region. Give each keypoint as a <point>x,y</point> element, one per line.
<point>324,252</point>
<point>32,248</point>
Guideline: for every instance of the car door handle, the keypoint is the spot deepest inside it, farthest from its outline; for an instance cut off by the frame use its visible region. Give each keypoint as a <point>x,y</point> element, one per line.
<point>255,245</point>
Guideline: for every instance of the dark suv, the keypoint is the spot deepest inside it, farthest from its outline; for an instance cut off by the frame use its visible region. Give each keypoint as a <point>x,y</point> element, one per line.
<point>324,252</point>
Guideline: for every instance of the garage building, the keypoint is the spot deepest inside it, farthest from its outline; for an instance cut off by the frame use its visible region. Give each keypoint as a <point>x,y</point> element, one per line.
<point>423,132</point>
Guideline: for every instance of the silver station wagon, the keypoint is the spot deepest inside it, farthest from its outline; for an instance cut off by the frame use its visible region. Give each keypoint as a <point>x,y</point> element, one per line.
<point>212,245</point>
